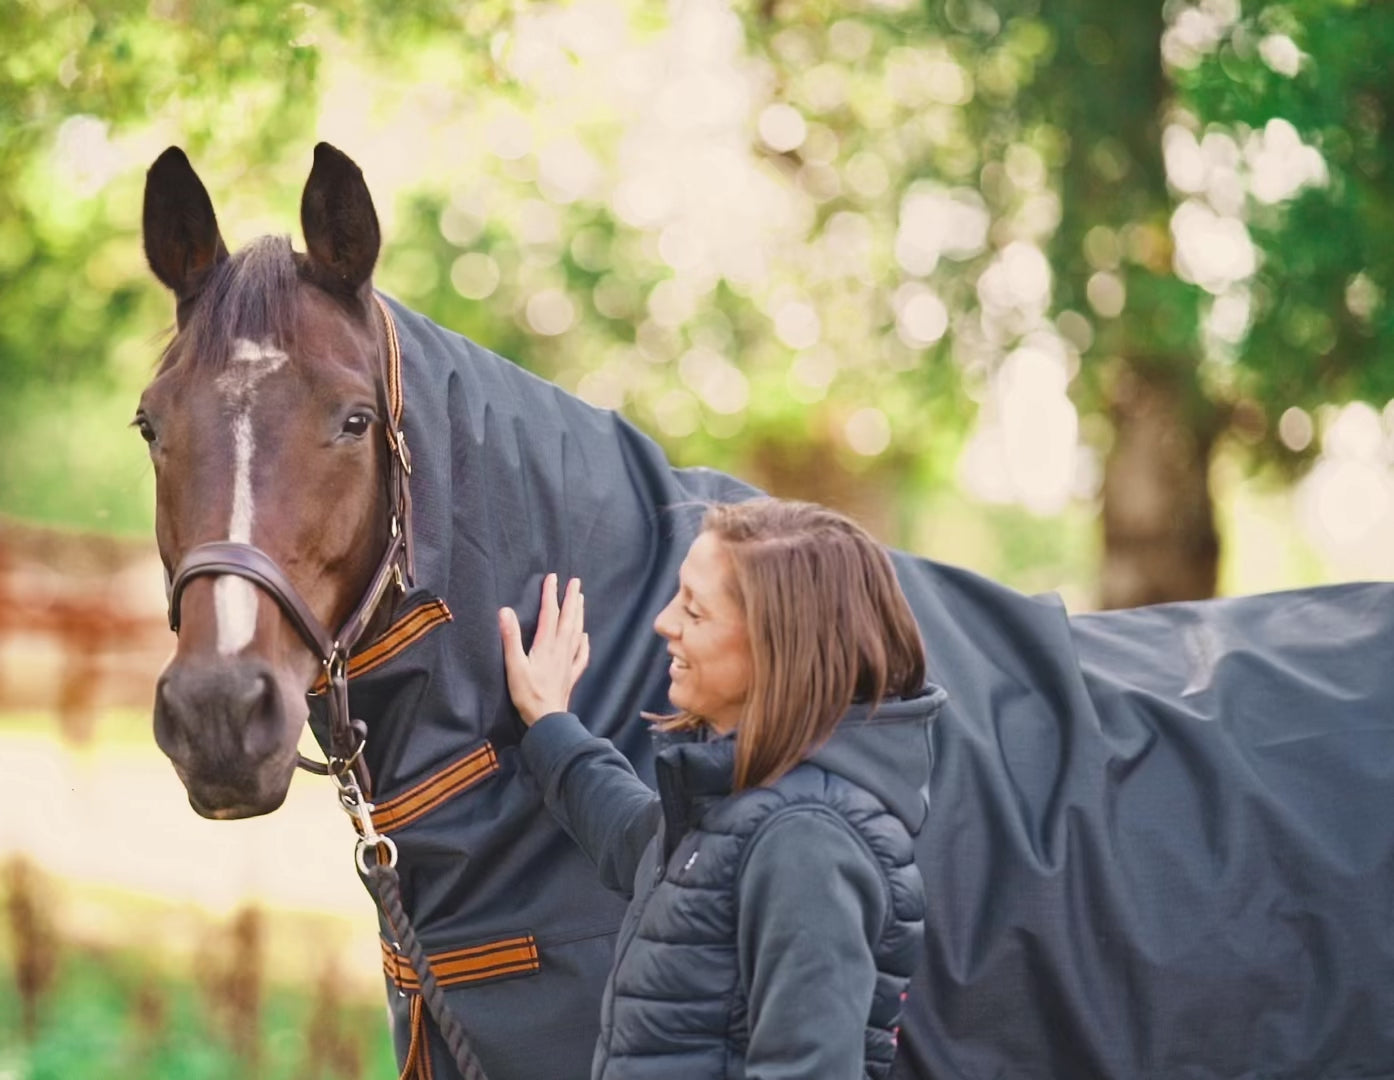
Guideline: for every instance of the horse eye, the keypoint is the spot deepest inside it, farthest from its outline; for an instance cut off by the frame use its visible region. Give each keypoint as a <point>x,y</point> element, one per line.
<point>357,425</point>
<point>143,426</point>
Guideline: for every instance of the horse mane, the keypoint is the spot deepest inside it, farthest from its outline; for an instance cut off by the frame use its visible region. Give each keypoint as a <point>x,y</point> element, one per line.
<point>250,295</point>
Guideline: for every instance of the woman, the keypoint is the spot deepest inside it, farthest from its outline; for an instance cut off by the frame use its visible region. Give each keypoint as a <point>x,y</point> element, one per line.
<point>776,911</point>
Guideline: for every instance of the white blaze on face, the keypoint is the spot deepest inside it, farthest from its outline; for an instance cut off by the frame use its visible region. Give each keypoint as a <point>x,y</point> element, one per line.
<point>235,598</point>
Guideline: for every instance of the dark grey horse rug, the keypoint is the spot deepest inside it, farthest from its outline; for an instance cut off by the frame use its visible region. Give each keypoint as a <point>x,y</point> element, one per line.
<point>1160,843</point>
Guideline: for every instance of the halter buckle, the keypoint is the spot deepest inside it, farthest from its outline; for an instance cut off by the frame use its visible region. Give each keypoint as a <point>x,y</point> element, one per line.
<point>335,665</point>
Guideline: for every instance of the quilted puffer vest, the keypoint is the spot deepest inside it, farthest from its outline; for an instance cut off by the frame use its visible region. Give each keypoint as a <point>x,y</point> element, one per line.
<point>674,1005</point>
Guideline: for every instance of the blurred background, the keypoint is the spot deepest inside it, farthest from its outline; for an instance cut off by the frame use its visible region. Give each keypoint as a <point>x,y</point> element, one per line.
<point>1090,296</point>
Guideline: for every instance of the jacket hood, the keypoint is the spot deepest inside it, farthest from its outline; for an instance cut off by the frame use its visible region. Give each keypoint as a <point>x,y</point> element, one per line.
<point>886,751</point>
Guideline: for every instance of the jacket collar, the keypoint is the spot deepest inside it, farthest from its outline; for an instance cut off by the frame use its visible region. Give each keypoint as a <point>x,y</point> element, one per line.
<point>885,750</point>
<point>694,770</point>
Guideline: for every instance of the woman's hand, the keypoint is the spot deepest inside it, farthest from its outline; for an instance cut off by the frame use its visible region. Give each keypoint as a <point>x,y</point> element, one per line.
<point>540,681</point>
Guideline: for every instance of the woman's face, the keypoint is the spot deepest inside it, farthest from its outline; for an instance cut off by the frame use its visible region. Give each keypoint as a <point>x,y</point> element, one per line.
<point>706,634</point>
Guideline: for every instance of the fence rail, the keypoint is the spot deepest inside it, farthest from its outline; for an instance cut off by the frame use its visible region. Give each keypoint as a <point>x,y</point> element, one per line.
<point>82,623</point>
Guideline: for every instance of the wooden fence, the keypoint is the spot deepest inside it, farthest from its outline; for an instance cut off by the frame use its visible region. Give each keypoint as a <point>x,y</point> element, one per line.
<point>82,623</point>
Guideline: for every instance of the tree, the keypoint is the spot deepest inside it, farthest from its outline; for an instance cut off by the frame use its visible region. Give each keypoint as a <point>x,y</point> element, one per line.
<point>83,84</point>
<point>1105,95</point>
<point>821,249</point>
<point>1302,94</point>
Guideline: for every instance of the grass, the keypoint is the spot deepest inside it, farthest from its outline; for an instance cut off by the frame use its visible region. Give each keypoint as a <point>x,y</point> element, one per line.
<point>112,1015</point>
<point>159,992</point>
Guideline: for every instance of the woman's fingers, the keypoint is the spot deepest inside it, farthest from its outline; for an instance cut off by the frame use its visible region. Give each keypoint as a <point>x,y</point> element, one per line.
<point>515,660</point>
<point>581,659</point>
<point>572,611</point>
<point>557,623</point>
<point>541,677</point>
<point>547,614</point>
<point>512,636</point>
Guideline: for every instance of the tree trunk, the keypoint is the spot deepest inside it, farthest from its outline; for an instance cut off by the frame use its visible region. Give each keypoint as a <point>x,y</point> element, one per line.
<point>1160,542</point>
<point>812,471</point>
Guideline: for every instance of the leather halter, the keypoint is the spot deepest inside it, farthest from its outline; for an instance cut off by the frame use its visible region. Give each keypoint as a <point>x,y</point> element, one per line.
<point>346,736</point>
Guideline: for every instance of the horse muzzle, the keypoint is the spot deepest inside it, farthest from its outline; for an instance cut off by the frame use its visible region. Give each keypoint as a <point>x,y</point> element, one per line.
<point>226,730</point>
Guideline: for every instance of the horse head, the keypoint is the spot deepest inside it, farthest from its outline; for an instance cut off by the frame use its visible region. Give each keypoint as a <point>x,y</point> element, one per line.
<point>265,423</point>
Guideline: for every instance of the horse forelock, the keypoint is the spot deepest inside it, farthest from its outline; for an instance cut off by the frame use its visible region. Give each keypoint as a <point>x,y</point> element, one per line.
<point>249,297</point>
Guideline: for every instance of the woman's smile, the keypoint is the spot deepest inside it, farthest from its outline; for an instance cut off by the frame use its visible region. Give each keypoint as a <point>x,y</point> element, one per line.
<point>709,649</point>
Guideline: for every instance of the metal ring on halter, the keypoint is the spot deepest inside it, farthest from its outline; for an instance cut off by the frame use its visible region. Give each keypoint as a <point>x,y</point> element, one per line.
<point>340,766</point>
<point>360,852</point>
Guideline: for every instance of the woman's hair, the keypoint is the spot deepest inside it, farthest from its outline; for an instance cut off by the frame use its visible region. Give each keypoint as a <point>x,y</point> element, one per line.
<point>827,623</point>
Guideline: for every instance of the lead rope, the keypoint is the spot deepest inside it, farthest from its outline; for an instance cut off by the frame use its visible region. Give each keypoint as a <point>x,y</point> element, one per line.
<point>382,878</point>
<point>386,888</point>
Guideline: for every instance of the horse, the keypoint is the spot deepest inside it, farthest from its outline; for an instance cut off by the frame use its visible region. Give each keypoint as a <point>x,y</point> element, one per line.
<point>1159,841</point>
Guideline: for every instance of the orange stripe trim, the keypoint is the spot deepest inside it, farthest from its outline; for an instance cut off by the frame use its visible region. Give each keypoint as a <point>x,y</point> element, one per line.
<point>406,631</point>
<point>417,801</point>
<point>409,1067</point>
<point>409,629</point>
<point>509,956</point>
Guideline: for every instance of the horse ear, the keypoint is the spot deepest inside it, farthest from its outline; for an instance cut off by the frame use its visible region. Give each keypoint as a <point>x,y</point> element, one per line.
<point>340,225</point>
<point>182,242</point>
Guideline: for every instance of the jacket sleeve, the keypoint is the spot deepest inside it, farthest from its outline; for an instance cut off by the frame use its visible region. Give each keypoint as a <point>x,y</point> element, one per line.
<point>812,901</point>
<point>593,792</point>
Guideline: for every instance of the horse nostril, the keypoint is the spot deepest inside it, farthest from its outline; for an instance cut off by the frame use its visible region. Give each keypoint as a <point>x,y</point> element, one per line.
<point>261,714</point>
<point>169,712</point>
<point>247,701</point>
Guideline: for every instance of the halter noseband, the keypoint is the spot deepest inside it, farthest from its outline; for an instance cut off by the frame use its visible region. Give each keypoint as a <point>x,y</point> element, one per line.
<point>346,736</point>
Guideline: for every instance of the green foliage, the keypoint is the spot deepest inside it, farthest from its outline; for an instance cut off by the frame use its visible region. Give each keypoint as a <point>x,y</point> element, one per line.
<point>1040,125</point>
<point>80,317</point>
<point>1323,328</point>
<point>74,76</point>
<point>111,1017</point>
<point>78,461</point>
